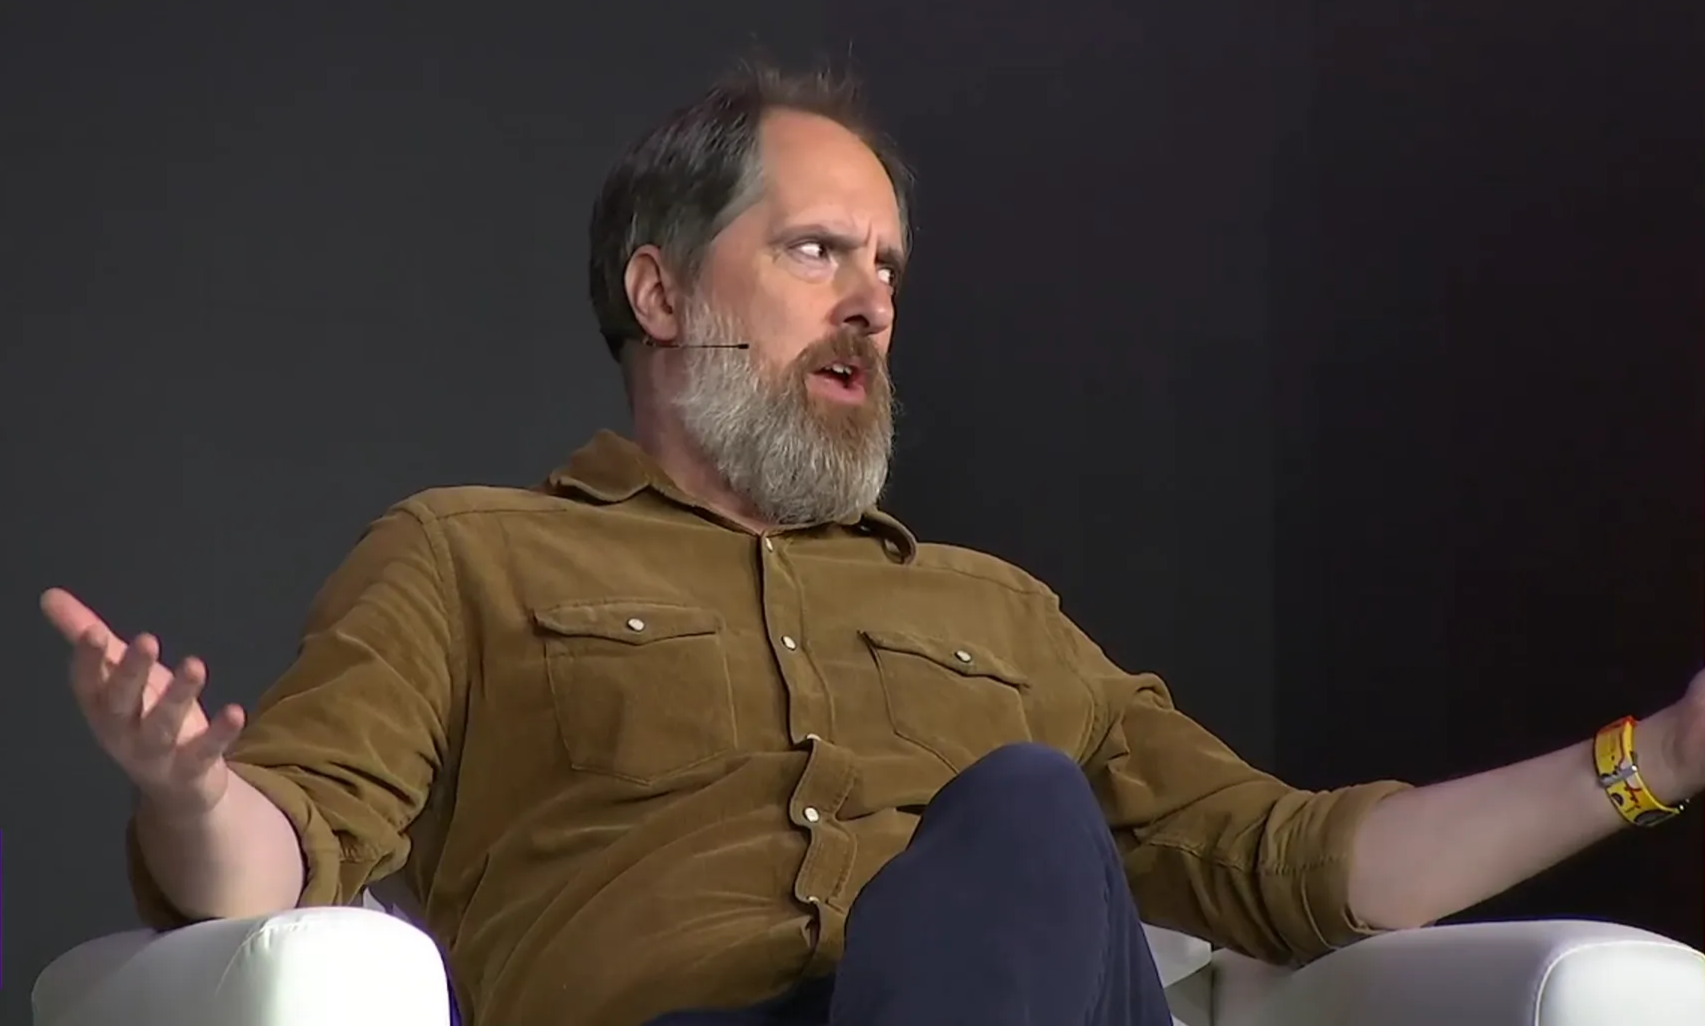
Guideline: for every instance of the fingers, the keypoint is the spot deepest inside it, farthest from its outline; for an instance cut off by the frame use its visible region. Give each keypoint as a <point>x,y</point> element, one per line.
<point>130,698</point>
<point>121,695</point>
<point>164,721</point>
<point>222,729</point>
<point>89,668</point>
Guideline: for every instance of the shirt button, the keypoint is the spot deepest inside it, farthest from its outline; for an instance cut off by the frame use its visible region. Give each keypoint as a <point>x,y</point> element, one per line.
<point>812,815</point>
<point>636,624</point>
<point>788,643</point>
<point>962,655</point>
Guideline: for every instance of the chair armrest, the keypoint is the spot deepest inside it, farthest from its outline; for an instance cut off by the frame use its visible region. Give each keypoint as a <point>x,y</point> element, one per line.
<point>1176,955</point>
<point>1547,973</point>
<point>1185,965</point>
<point>305,967</point>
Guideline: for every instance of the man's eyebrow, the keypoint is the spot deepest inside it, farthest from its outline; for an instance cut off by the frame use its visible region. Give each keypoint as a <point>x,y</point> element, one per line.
<point>892,257</point>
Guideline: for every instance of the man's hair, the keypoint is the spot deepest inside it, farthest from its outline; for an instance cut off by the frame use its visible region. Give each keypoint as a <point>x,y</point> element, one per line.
<point>685,180</point>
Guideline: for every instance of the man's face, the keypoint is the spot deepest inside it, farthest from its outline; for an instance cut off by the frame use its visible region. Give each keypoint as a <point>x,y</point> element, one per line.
<point>818,252</point>
<point>801,423</point>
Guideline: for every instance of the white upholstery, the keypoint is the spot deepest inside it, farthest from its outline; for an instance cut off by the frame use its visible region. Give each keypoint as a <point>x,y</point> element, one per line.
<point>350,966</point>
<point>1548,973</point>
<point>1177,955</point>
<point>1183,962</point>
<point>306,967</point>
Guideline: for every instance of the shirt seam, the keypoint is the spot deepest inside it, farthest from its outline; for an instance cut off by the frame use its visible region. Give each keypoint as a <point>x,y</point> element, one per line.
<point>1094,734</point>
<point>443,568</point>
<point>1034,589</point>
<point>1195,852</point>
<point>459,670</point>
<point>1031,591</point>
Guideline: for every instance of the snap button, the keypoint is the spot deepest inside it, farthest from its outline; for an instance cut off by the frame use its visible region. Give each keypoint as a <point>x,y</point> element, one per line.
<point>962,655</point>
<point>788,643</point>
<point>812,815</point>
<point>636,624</point>
<point>769,546</point>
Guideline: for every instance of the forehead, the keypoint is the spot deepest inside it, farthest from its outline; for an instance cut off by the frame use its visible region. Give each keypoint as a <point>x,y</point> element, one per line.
<point>815,169</point>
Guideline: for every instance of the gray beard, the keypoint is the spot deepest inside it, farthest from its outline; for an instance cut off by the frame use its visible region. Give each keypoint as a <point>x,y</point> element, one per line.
<point>765,438</point>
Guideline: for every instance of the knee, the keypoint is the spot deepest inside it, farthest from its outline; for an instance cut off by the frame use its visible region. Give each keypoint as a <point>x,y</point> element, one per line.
<point>1029,778</point>
<point>1027,761</point>
<point>1031,809</point>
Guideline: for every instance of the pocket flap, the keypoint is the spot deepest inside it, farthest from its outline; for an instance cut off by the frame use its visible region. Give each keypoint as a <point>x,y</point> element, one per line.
<point>965,658</point>
<point>633,623</point>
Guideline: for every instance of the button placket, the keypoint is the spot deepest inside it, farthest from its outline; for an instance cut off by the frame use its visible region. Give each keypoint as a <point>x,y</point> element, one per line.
<point>807,700</point>
<point>825,784</point>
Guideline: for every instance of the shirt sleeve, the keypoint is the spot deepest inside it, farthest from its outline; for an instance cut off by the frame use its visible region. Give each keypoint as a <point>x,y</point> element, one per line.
<point>348,742</point>
<point>1212,846</point>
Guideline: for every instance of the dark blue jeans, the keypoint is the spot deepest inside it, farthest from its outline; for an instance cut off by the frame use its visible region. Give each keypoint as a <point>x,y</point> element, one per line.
<point>1009,908</point>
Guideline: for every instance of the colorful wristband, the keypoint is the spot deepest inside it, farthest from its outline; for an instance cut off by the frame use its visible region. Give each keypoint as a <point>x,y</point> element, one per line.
<point>1613,757</point>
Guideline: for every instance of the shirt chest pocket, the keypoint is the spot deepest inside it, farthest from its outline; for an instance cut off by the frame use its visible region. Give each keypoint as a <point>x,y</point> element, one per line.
<point>957,700</point>
<point>641,689</point>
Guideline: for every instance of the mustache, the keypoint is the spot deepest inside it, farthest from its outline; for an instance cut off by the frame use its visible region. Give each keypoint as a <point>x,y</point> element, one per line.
<point>848,345</point>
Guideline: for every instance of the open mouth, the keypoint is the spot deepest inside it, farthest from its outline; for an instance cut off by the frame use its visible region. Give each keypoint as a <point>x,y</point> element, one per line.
<point>841,379</point>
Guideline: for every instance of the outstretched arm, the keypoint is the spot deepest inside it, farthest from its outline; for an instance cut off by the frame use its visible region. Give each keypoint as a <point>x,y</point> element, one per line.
<point>217,846</point>
<point>308,799</point>
<point>1424,854</point>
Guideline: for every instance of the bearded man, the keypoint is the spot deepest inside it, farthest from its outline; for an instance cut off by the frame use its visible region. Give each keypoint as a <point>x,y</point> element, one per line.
<point>693,733</point>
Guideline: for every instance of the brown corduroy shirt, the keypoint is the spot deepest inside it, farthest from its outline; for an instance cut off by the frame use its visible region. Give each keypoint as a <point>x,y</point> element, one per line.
<point>631,758</point>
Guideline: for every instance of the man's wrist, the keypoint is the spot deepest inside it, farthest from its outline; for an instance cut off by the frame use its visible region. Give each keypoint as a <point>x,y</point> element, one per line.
<point>175,812</point>
<point>1660,756</point>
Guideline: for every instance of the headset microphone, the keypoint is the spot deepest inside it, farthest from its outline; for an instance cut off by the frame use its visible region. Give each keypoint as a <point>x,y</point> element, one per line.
<point>653,343</point>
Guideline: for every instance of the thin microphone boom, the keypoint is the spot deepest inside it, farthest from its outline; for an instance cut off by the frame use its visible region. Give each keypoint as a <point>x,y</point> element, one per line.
<point>653,343</point>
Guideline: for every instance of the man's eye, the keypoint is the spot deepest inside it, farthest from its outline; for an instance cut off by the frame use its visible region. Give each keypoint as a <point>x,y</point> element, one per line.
<point>812,250</point>
<point>888,276</point>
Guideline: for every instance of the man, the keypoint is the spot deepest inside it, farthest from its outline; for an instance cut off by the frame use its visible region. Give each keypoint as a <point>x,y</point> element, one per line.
<point>693,733</point>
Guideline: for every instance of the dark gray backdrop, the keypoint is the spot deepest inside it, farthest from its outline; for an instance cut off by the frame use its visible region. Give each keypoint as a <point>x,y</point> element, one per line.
<point>1340,362</point>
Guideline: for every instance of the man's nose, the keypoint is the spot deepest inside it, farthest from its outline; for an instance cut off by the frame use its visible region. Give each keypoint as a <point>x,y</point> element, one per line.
<point>868,305</point>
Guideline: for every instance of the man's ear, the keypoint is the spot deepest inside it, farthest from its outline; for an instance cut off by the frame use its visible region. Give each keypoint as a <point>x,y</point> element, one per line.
<point>653,294</point>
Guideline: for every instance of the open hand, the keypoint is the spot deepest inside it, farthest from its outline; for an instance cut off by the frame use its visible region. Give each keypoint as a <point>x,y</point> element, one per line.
<point>147,718</point>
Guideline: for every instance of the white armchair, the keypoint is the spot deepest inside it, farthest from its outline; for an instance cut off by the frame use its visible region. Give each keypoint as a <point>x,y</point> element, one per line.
<point>361,967</point>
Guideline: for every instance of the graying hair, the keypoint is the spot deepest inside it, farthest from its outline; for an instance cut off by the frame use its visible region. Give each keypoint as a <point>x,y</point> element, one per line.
<point>682,183</point>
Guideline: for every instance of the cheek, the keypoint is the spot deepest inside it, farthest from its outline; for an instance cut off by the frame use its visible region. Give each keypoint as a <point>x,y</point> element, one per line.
<point>784,316</point>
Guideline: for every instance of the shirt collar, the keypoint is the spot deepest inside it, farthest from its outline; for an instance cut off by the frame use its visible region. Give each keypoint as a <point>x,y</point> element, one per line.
<point>612,469</point>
